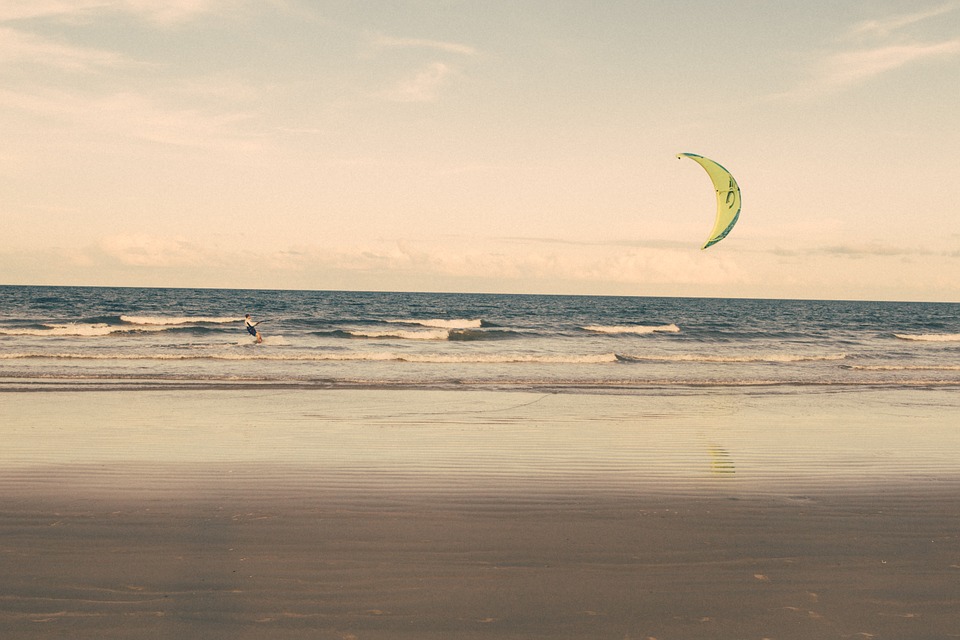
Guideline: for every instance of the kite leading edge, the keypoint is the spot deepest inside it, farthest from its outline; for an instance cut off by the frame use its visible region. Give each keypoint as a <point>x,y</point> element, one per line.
<point>728,197</point>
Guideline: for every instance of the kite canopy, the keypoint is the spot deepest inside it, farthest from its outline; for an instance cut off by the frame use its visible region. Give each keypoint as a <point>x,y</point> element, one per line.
<point>728,197</point>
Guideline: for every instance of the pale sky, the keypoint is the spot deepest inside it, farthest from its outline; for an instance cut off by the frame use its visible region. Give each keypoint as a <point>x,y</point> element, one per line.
<point>517,146</point>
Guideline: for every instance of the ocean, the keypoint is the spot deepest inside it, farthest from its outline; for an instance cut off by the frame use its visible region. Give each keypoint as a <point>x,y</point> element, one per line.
<point>91,338</point>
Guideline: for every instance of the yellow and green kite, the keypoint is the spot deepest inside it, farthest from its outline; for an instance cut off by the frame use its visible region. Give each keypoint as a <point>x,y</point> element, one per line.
<point>728,197</point>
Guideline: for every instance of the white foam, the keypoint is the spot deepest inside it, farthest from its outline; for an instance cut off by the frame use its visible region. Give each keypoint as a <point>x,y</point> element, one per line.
<point>167,321</point>
<point>637,329</point>
<point>770,357</point>
<point>438,334</point>
<point>506,358</point>
<point>919,367</point>
<point>99,329</point>
<point>443,324</point>
<point>381,356</point>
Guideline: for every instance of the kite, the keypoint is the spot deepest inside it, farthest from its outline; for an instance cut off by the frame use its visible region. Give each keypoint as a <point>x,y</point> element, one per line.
<point>728,197</point>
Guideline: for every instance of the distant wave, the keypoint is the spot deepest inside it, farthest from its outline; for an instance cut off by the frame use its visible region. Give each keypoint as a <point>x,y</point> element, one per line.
<point>772,357</point>
<point>385,356</point>
<point>468,335</point>
<point>917,367</point>
<point>443,324</point>
<point>106,326</point>
<point>636,329</point>
<point>464,335</point>
<point>168,321</point>
<point>435,334</point>
<point>76,330</point>
<point>930,337</point>
<point>125,381</point>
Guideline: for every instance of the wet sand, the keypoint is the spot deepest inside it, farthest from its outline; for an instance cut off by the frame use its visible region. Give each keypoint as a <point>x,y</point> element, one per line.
<point>227,533</point>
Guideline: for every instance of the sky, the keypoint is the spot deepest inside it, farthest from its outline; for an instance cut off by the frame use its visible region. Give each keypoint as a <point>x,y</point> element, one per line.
<point>482,145</point>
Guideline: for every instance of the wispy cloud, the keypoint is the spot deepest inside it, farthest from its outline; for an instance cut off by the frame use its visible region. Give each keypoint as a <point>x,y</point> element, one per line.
<point>423,86</point>
<point>841,69</point>
<point>18,47</point>
<point>157,11</point>
<point>171,11</point>
<point>423,83</point>
<point>883,27</point>
<point>873,48</point>
<point>387,42</point>
<point>11,10</point>
<point>138,117</point>
<point>143,250</point>
<point>142,118</point>
<point>862,250</point>
<point>185,112</point>
<point>635,244</point>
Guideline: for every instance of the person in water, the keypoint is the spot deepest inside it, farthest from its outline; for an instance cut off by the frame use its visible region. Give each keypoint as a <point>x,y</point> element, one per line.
<point>252,328</point>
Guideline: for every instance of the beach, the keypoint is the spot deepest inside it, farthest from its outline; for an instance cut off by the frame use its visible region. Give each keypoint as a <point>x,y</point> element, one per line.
<point>479,514</point>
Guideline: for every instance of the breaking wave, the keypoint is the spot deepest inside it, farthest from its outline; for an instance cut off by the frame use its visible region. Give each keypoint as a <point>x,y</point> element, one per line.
<point>463,335</point>
<point>75,330</point>
<point>399,334</point>
<point>917,367</point>
<point>383,356</point>
<point>173,321</point>
<point>758,358</point>
<point>443,324</point>
<point>930,337</point>
<point>635,329</point>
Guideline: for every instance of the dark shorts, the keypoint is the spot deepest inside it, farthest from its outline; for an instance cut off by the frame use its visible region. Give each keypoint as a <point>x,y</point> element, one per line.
<point>252,330</point>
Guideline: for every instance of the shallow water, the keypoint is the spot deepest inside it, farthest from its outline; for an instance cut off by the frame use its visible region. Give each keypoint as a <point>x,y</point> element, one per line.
<point>723,442</point>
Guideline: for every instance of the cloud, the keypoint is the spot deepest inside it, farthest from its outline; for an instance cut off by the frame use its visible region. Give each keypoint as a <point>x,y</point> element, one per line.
<point>425,83</point>
<point>169,11</point>
<point>423,86</point>
<point>143,250</point>
<point>17,47</point>
<point>157,11</point>
<point>461,263</point>
<point>860,250</point>
<point>467,259</point>
<point>387,42</point>
<point>134,116</point>
<point>636,244</point>
<point>883,27</point>
<point>26,9</point>
<point>449,260</point>
<point>876,52</point>
<point>142,118</point>
<point>841,69</point>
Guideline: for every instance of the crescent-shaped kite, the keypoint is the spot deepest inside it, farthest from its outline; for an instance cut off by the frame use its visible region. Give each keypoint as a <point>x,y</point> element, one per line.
<point>728,197</point>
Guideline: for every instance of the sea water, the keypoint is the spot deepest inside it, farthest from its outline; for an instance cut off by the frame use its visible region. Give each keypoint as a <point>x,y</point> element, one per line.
<point>67,338</point>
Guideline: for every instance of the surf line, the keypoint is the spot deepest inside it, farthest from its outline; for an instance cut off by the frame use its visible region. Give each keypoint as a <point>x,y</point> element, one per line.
<point>465,412</point>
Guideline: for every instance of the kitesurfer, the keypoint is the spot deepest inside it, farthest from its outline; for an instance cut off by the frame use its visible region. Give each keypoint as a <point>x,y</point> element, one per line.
<point>252,328</point>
